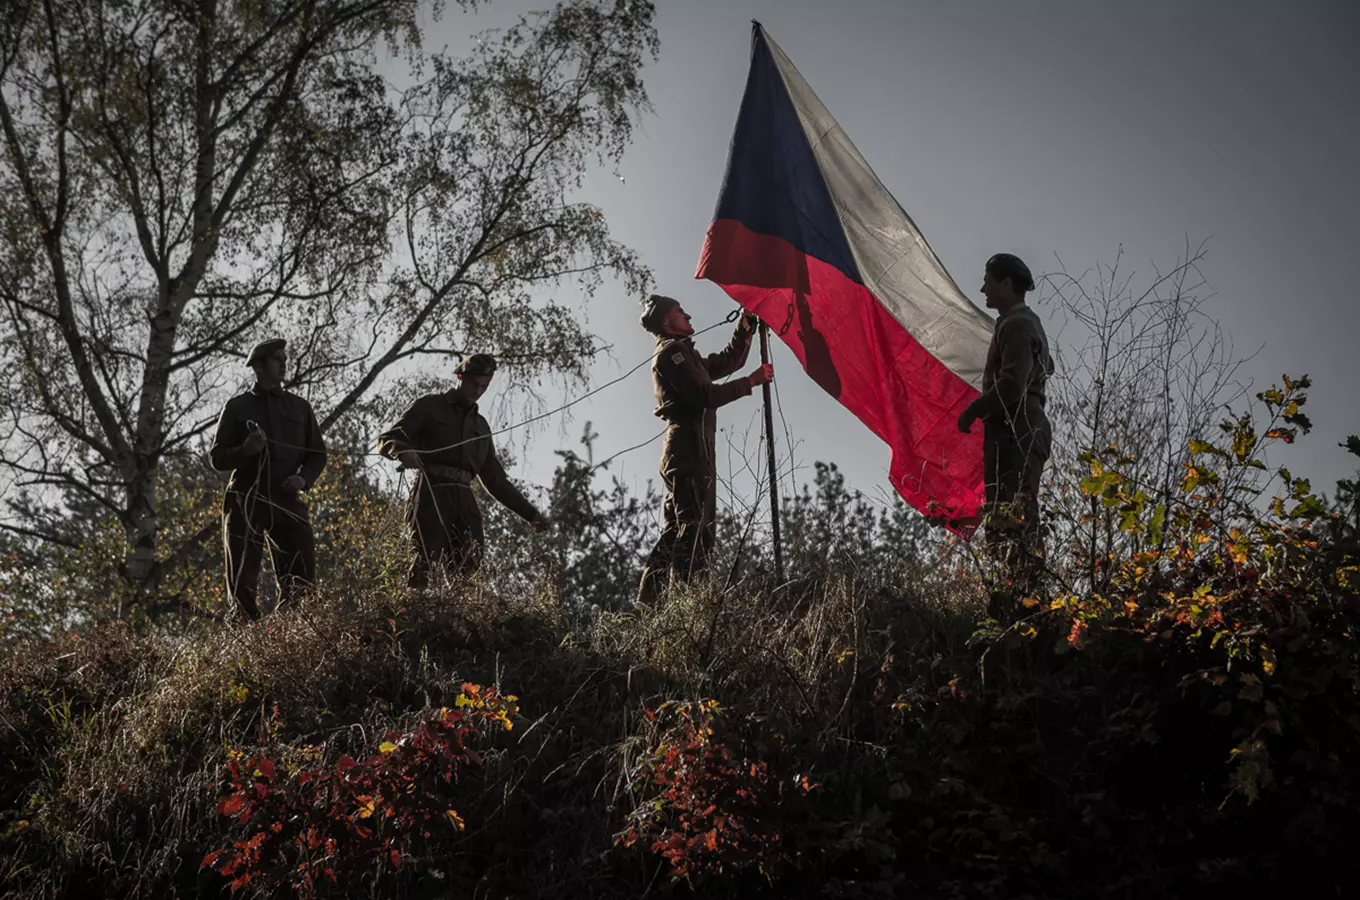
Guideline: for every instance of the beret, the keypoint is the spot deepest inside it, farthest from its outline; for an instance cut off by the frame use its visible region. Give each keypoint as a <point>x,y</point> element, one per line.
<point>477,364</point>
<point>264,349</point>
<point>1008,265</point>
<point>654,311</point>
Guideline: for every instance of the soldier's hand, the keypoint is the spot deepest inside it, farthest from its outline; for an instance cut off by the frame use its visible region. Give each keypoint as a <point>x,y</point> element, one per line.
<point>763,375</point>
<point>966,420</point>
<point>411,459</point>
<point>253,443</point>
<point>294,483</point>
<point>749,322</point>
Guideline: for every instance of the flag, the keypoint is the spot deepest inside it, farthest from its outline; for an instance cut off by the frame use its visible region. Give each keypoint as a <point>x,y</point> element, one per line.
<point>807,238</point>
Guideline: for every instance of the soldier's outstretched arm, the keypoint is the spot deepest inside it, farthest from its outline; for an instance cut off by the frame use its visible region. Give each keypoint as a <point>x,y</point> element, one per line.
<point>732,357</point>
<point>499,485</point>
<point>687,376</point>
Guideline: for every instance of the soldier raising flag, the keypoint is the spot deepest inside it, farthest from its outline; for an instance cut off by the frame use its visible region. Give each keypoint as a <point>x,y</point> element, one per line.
<point>686,398</point>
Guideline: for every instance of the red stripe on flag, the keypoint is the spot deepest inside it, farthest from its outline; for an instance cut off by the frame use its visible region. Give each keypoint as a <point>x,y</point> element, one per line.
<point>853,347</point>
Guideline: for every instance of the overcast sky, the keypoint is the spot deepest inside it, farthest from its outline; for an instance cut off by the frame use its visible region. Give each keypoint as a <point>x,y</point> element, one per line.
<point>1047,129</point>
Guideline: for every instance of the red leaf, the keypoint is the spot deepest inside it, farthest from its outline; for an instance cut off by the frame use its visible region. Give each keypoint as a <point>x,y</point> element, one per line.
<point>210,859</point>
<point>345,763</point>
<point>231,805</point>
<point>266,768</point>
<point>396,859</point>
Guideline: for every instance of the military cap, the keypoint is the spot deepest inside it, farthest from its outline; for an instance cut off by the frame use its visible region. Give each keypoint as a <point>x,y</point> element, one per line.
<point>263,349</point>
<point>654,311</point>
<point>1008,265</point>
<point>477,364</point>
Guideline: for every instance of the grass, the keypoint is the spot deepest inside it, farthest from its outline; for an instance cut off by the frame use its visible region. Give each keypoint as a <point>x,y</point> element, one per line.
<point>1048,778</point>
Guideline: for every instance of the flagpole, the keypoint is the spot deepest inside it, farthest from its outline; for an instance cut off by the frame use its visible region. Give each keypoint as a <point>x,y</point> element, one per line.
<point>769,449</point>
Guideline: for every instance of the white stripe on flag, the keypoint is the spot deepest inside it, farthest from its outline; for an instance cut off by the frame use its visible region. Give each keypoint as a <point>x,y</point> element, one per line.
<point>896,263</point>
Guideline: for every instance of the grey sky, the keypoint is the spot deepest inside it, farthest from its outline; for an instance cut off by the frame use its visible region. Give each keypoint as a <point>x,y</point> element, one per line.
<point>1042,128</point>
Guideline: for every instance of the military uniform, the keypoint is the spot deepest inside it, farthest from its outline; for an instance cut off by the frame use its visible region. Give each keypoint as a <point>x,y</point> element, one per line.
<point>1017,436</point>
<point>686,398</point>
<point>256,504</point>
<point>454,443</point>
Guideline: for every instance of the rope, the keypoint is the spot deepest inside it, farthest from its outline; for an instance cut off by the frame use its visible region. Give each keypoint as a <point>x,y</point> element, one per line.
<point>731,317</point>
<point>254,495</point>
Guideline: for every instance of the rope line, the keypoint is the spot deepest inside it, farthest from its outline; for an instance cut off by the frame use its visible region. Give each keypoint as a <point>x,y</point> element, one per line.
<point>249,502</point>
<point>731,317</point>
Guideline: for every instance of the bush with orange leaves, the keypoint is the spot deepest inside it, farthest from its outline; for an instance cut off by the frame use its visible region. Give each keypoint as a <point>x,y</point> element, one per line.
<point>1260,601</point>
<point>707,807</point>
<point>310,828</point>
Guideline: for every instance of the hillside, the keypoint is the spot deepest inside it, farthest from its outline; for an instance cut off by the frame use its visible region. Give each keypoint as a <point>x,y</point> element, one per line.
<point>861,742</point>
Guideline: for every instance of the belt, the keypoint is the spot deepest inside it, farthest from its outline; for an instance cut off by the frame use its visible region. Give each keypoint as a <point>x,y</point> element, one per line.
<point>441,474</point>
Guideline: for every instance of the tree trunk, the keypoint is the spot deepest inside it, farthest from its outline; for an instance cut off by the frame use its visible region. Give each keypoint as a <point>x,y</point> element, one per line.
<point>144,479</point>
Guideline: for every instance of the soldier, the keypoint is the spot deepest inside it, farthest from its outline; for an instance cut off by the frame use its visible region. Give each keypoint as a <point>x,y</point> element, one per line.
<point>686,398</point>
<point>1017,436</point>
<point>447,442</point>
<point>269,440</point>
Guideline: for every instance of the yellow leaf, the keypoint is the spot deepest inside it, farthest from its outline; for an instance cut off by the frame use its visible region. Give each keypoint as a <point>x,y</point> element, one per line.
<point>456,819</point>
<point>386,747</point>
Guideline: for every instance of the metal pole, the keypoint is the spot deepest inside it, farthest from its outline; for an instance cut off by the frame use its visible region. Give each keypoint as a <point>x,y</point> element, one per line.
<point>769,447</point>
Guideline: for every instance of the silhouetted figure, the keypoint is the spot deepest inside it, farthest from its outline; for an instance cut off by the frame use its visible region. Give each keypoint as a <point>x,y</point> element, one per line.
<point>1017,437</point>
<point>447,442</point>
<point>686,397</point>
<point>269,440</point>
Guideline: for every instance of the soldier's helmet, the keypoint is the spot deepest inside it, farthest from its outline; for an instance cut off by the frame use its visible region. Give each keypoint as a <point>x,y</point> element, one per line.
<point>477,364</point>
<point>654,311</point>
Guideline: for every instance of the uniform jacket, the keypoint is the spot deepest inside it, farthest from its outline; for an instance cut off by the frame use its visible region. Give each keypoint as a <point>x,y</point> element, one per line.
<point>295,446</point>
<point>686,397</point>
<point>452,436</point>
<point>1016,374</point>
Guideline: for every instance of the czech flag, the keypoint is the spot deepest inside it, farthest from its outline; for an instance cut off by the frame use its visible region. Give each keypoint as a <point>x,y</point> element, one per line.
<point>806,237</point>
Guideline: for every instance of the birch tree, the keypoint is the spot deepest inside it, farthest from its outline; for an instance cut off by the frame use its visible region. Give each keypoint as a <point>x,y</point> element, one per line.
<point>181,177</point>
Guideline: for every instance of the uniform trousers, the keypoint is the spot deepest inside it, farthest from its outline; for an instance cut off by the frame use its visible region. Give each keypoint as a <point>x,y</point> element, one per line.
<point>688,531</point>
<point>446,530</point>
<point>252,517</point>
<point>1013,457</point>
